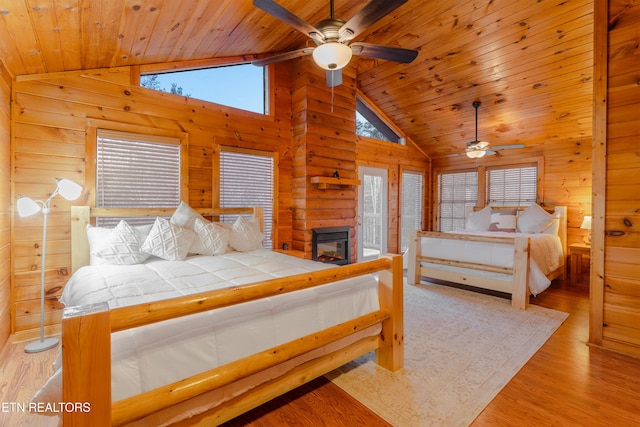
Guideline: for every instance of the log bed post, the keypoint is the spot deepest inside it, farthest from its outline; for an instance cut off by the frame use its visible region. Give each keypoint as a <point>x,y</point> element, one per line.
<point>390,352</point>
<point>414,253</point>
<point>86,378</point>
<point>520,292</point>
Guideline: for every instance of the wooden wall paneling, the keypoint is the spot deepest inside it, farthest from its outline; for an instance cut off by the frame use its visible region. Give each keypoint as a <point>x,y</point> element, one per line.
<point>5,206</point>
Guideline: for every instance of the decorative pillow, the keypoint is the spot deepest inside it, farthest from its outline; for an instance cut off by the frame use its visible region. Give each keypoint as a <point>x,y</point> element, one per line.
<point>185,216</point>
<point>479,220</point>
<point>503,220</point>
<point>213,237</point>
<point>245,235</point>
<point>168,241</point>
<point>122,246</point>
<point>534,219</point>
<point>553,227</point>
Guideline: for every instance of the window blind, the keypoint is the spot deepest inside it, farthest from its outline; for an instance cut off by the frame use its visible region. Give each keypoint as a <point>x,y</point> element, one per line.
<point>456,192</point>
<point>136,171</point>
<point>411,215</point>
<point>512,186</point>
<point>247,180</point>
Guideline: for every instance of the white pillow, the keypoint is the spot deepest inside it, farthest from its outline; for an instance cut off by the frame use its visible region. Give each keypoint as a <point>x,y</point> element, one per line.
<point>122,246</point>
<point>213,237</point>
<point>245,235</point>
<point>534,219</point>
<point>97,236</point>
<point>168,241</point>
<point>553,227</point>
<point>503,220</point>
<point>185,216</point>
<point>479,220</point>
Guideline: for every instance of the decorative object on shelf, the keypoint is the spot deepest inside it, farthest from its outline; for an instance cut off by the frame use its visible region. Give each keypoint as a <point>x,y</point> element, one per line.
<point>336,174</point>
<point>323,182</point>
<point>27,207</point>
<point>586,225</point>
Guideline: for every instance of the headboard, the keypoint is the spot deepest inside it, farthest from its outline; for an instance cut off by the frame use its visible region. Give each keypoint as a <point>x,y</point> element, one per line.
<point>81,216</point>
<point>559,211</point>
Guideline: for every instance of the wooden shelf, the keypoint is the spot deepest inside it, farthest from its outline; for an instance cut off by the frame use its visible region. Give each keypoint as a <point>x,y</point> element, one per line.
<point>324,182</point>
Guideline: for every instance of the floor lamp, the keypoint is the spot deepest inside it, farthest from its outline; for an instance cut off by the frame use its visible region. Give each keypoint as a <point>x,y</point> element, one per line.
<point>27,207</point>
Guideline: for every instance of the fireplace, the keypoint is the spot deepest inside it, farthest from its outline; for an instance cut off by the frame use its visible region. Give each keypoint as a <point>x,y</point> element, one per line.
<point>331,245</point>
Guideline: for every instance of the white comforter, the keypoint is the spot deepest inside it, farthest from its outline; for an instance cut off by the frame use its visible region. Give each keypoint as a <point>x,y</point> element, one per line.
<point>158,354</point>
<point>546,254</point>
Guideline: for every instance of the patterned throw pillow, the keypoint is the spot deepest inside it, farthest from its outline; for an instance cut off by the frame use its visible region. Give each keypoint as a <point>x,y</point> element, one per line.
<point>213,237</point>
<point>246,235</point>
<point>122,246</point>
<point>503,220</point>
<point>168,241</point>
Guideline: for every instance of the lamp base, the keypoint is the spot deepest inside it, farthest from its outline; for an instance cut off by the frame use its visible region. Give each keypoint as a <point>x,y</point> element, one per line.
<point>41,345</point>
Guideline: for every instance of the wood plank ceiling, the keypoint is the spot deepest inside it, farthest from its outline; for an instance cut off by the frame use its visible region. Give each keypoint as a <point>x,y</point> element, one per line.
<point>528,61</point>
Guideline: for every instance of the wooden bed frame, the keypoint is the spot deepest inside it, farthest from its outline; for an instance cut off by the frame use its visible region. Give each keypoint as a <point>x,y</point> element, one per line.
<point>86,337</point>
<point>517,285</point>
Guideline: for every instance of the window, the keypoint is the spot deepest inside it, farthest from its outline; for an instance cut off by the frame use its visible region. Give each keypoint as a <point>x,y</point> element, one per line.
<point>456,193</point>
<point>136,171</point>
<point>371,125</point>
<point>512,186</point>
<point>239,86</point>
<point>247,179</point>
<point>411,215</point>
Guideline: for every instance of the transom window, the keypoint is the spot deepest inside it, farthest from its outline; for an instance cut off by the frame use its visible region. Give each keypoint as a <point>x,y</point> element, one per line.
<point>369,124</point>
<point>240,86</point>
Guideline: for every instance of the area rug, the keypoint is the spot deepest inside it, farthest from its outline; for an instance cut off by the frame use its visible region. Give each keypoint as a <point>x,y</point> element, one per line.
<point>461,349</point>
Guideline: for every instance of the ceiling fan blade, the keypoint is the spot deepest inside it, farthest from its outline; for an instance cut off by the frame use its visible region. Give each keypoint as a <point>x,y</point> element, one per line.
<point>389,53</point>
<point>506,147</point>
<point>490,152</point>
<point>279,12</point>
<point>367,16</point>
<point>283,57</point>
<point>334,78</point>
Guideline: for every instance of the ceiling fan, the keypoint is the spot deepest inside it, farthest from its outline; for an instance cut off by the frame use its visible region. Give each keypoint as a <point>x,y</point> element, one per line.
<point>476,149</point>
<point>332,37</point>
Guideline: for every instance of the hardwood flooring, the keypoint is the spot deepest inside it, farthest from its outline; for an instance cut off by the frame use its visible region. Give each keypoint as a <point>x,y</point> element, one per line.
<point>566,383</point>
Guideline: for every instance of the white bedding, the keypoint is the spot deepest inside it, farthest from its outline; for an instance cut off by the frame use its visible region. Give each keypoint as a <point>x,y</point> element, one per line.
<point>148,357</point>
<point>546,254</point>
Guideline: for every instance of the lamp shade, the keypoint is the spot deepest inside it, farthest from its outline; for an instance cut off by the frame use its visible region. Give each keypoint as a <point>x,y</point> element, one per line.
<point>69,189</point>
<point>27,206</point>
<point>476,153</point>
<point>586,223</point>
<point>332,55</point>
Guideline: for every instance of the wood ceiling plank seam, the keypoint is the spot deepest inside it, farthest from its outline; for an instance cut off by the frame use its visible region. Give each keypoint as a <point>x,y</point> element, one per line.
<point>68,22</point>
<point>135,34</point>
<point>22,36</point>
<point>168,29</point>
<point>42,16</point>
<point>189,29</point>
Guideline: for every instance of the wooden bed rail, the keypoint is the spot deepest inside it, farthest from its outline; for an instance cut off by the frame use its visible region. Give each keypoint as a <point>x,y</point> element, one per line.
<point>518,273</point>
<point>87,331</point>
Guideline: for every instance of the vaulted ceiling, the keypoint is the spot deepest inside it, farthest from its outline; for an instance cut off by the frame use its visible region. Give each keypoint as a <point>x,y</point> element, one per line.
<point>528,61</point>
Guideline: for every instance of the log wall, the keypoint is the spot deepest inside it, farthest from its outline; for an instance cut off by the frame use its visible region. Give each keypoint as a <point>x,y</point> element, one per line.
<point>615,302</point>
<point>53,116</point>
<point>5,205</point>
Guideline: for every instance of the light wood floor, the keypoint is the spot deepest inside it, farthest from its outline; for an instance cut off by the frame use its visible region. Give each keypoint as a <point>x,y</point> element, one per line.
<point>566,383</point>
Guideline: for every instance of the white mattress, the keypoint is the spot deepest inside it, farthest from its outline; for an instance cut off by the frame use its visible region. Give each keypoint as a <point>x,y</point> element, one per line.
<point>155,355</point>
<point>546,255</point>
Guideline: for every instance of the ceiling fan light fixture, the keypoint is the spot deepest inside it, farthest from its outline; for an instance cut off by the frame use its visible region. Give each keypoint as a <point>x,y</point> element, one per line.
<point>476,153</point>
<point>332,55</point>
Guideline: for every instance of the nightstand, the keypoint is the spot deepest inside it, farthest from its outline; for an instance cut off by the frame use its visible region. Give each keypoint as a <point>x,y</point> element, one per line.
<point>576,251</point>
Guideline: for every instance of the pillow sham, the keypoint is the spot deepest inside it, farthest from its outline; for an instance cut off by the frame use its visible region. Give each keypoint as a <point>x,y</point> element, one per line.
<point>554,226</point>
<point>534,219</point>
<point>185,216</point>
<point>246,235</point>
<point>479,220</point>
<point>122,246</point>
<point>213,238</point>
<point>503,220</point>
<point>168,241</point>
<point>98,236</point>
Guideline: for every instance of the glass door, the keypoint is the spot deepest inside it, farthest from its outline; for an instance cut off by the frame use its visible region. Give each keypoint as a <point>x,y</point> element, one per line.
<point>372,212</point>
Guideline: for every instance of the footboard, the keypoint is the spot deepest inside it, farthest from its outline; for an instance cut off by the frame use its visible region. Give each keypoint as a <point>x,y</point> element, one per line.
<point>516,278</point>
<point>87,334</point>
